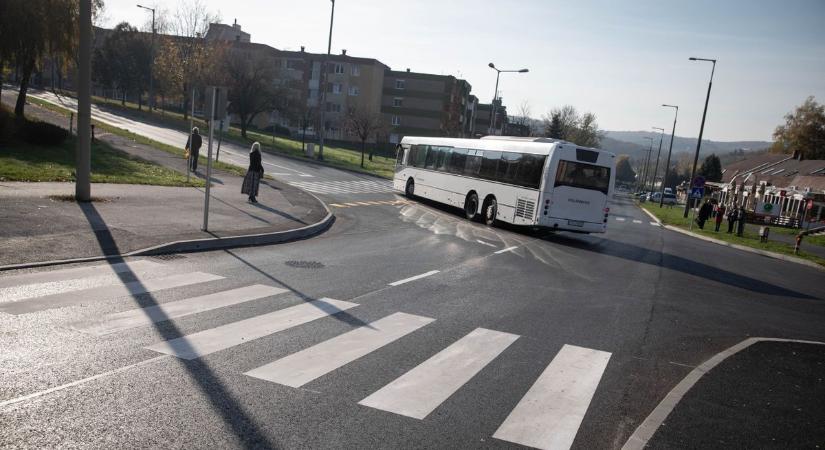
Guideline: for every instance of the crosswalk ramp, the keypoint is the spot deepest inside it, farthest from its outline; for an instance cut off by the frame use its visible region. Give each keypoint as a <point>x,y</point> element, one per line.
<point>548,413</point>
<point>344,187</point>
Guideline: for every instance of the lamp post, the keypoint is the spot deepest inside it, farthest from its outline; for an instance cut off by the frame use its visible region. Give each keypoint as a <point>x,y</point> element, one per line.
<point>152,65</point>
<point>495,94</point>
<point>646,168</point>
<point>701,128</point>
<point>658,154</point>
<point>323,86</point>
<point>83,189</point>
<point>667,165</point>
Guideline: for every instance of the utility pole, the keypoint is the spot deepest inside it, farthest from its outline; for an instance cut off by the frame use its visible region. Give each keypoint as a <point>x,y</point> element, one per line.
<point>701,129</point>
<point>83,188</point>
<point>667,165</point>
<point>211,122</point>
<point>323,86</point>
<point>656,170</point>
<point>646,168</point>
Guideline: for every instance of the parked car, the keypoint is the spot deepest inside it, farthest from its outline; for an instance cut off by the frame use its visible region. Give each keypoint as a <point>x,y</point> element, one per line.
<point>643,197</point>
<point>669,199</point>
<point>654,196</point>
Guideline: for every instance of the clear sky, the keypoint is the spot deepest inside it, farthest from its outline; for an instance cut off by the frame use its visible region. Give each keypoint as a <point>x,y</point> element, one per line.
<point>618,59</point>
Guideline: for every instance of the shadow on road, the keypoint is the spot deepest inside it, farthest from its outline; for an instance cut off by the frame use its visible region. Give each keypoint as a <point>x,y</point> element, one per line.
<point>222,401</point>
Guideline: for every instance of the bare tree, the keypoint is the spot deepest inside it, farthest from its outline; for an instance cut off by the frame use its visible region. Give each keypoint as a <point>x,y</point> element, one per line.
<point>197,56</point>
<point>252,90</point>
<point>363,123</point>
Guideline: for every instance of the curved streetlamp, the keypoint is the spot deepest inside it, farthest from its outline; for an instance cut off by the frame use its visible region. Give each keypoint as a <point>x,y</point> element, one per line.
<point>658,154</point>
<point>495,94</point>
<point>701,128</point>
<point>667,165</point>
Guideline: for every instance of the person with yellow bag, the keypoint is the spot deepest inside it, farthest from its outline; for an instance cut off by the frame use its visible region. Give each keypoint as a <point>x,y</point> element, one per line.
<point>191,152</point>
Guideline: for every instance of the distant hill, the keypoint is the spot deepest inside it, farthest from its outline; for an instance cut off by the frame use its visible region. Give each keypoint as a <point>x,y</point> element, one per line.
<point>683,144</point>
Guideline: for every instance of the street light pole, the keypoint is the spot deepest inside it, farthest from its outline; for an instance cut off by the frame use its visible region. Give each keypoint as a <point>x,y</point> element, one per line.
<point>492,128</point>
<point>667,165</point>
<point>658,154</point>
<point>646,168</point>
<point>152,65</point>
<point>83,189</point>
<point>323,85</point>
<point>701,128</point>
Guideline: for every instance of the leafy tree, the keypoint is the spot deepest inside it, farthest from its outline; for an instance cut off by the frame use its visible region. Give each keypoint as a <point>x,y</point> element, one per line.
<point>711,168</point>
<point>552,126</point>
<point>803,131</point>
<point>673,178</point>
<point>169,75</point>
<point>121,61</point>
<point>363,123</point>
<point>199,60</point>
<point>251,83</point>
<point>565,123</point>
<point>624,172</point>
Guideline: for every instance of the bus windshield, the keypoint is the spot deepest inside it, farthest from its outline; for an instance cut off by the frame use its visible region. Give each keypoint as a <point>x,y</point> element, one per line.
<point>582,175</point>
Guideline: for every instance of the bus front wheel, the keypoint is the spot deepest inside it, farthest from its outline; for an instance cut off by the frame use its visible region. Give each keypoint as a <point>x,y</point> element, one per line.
<point>490,211</point>
<point>409,191</point>
<point>471,206</point>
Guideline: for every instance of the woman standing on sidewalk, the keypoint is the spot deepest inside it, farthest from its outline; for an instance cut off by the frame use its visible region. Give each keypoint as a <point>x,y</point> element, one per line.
<point>253,174</point>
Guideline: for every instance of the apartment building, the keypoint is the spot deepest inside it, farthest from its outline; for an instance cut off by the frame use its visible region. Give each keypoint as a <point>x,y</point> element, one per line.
<point>482,118</point>
<point>422,104</point>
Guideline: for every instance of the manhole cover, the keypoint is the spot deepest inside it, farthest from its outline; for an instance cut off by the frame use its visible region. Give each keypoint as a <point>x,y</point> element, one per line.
<point>168,257</point>
<point>305,264</point>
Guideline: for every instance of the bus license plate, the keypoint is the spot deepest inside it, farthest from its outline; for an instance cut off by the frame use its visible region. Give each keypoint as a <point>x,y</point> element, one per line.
<point>575,223</point>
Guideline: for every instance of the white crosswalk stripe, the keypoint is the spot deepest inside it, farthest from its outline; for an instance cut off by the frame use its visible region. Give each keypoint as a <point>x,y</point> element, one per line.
<point>418,392</point>
<point>550,414</point>
<point>215,339</point>
<point>344,187</point>
<point>300,368</point>
<point>134,318</point>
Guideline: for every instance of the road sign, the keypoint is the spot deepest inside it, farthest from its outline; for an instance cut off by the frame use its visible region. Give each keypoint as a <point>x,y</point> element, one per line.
<point>697,192</point>
<point>699,182</point>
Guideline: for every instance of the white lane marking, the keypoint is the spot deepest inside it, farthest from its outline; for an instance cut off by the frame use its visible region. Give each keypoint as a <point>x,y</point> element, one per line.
<point>638,440</point>
<point>288,168</point>
<point>134,318</point>
<point>421,390</point>
<point>75,273</point>
<point>79,382</point>
<point>131,288</point>
<point>300,368</point>
<point>620,219</point>
<point>505,250</point>
<point>550,414</point>
<point>655,224</point>
<point>485,243</point>
<point>637,221</point>
<point>417,277</point>
<point>215,339</point>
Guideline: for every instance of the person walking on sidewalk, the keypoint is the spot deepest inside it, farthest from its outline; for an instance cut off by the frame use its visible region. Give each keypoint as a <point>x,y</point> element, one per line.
<point>194,149</point>
<point>704,214</point>
<point>732,216</point>
<point>720,213</point>
<point>253,174</point>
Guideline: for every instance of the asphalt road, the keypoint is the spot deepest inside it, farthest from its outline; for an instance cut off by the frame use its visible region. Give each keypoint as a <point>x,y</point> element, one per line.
<point>512,337</point>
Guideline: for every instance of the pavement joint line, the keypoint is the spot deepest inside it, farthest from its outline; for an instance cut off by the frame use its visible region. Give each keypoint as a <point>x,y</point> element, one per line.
<point>80,382</point>
<point>744,248</point>
<point>640,438</point>
<point>417,277</point>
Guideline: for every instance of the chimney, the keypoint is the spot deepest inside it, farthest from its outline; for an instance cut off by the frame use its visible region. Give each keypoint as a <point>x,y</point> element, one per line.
<point>344,52</point>
<point>302,49</point>
<point>235,25</point>
<point>408,69</point>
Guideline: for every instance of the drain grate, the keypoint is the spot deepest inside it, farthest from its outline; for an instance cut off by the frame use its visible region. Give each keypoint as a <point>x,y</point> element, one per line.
<point>169,257</point>
<point>305,264</point>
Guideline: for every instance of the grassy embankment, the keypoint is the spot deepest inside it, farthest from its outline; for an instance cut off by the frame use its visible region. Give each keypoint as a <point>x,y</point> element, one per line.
<point>333,156</point>
<point>673,217</point>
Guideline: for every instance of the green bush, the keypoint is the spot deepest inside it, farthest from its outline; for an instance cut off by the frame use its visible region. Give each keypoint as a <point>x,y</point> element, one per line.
<point>45,134</point>
<point>7,126</point>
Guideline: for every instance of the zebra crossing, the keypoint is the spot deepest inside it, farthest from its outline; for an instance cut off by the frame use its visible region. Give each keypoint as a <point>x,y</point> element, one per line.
<point>344,187</point>
<point>548,415</point>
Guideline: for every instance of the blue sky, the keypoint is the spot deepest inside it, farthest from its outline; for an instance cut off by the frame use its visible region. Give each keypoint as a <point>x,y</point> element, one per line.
<point>620,60</point>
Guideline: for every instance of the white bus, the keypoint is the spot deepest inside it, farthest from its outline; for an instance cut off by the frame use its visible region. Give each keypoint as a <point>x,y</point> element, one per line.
<point>524,181</point>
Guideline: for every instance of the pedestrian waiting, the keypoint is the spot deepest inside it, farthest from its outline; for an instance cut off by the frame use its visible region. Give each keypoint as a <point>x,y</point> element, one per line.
<point>733,215</point>
<point>194,149</point>
<point>704,214</point>
<point>720,213</point>
<point>253,174</point>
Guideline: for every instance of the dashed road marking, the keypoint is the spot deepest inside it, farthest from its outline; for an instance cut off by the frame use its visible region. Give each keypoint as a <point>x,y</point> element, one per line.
<point>505,250</point>
<point>417,277</point>
<point>485,243</point>
<point>370,203</point>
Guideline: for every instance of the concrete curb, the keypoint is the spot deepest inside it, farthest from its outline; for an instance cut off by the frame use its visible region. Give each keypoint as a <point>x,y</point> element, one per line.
<point>766,253</point>
<point>206,244</point>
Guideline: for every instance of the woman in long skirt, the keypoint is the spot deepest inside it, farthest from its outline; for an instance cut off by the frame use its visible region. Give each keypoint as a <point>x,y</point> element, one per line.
<point>253,174</point>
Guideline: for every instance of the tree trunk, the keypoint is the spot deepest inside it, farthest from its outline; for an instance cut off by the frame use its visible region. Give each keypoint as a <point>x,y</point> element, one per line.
<point>20,107</point>
<point>1,78</point>
<point>363,146</point>
<point>185,102</point>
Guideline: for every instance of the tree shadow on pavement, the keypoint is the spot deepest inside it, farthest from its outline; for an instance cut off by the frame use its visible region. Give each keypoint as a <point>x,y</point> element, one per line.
<point>222,401</point>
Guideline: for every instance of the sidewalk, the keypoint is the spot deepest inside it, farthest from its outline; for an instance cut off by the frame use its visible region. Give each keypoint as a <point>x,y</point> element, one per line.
<point>40,223</point>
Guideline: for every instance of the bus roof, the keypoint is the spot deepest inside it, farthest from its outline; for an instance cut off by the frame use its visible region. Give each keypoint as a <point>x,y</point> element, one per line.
<point>536,146</point>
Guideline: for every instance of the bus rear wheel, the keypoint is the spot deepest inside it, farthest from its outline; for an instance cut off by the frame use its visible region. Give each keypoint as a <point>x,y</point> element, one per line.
<point>409,191</point>
<point>471,206</point>
<point>490,211</point>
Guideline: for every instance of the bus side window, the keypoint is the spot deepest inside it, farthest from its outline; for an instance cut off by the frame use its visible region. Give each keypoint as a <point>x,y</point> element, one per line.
<point>458,159</point>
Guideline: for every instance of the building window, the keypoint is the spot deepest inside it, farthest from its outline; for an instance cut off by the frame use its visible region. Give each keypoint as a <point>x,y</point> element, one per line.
<point>333,107</point>
<point>397,102</point>
<point>354,91</point>
<point>293,64</point>
<point>396,121</point>
<point>336,88</point>
<point>399,84</point>
<point>339,68</point>
<point>355,70</point>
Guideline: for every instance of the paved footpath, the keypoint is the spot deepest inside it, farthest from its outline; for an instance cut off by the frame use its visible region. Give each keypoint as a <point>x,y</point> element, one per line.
<point>40,223</point>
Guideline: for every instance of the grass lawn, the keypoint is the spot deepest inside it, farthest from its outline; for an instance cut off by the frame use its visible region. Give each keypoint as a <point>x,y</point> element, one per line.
<point>334,156</point>
<point>20,161</point>
<point>673,216</point>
